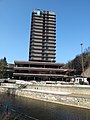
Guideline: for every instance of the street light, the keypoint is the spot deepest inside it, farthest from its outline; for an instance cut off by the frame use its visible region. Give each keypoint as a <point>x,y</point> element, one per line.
<point>82,60</point>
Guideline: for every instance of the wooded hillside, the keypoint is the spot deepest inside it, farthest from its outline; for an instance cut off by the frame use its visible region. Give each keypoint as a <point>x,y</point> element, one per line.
<point>76,63</point>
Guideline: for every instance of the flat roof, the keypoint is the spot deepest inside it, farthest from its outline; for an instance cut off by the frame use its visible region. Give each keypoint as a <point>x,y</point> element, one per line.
<point>43,69</point>
<point>39,63</point>
<point>41,75</point>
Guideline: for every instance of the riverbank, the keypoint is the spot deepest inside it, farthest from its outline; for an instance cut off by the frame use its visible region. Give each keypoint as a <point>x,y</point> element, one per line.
<point>78,96</point>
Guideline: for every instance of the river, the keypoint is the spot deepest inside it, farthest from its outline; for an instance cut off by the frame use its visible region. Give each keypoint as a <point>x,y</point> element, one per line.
<point>31,109</point>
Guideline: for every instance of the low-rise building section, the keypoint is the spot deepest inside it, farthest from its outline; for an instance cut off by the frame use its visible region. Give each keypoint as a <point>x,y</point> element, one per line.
<point>39,71</point>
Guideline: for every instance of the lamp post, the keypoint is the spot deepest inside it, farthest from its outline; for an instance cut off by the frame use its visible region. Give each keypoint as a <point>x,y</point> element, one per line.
<point>82,60</point>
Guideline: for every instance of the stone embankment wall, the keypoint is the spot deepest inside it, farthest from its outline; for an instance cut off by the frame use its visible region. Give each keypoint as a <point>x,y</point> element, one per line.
<point>9,85</point>
<point>75,89</point>
<point>66,95</point>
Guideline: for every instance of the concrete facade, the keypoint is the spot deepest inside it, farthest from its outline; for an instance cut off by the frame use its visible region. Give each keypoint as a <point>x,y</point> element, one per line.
<point>42,36</point>
<point>41,71</point>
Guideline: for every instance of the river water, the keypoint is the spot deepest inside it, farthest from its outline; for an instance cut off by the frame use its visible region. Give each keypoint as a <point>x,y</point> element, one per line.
<point>38,110</point>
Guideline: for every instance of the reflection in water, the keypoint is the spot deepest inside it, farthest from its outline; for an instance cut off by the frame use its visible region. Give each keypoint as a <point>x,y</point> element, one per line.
<point>43,110</point>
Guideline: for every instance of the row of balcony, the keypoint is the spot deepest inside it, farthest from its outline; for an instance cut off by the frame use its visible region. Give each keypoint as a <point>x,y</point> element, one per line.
<point>43,41</point>
<point>43,22</point>
<point>43,56</point>
<point>52,47</point>
<point>43,26</point>
<point>43,31</point>
<point>38,34</point>
<point>40,44</point>
<point>43,37</point>
<point>42,48</point>
<point>44,16</point>
<point>42,59</point>
<point>46,28</point>
<point>41,19</point>
<point>42,52</point>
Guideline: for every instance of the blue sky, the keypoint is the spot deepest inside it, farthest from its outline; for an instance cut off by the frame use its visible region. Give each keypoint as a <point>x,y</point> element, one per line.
<point>73,27</point>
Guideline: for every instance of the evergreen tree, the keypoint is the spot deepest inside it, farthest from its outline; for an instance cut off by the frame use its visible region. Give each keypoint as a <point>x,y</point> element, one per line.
<point>3,65</point>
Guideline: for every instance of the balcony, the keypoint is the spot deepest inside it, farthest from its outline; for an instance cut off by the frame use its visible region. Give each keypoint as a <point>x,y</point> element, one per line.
<point>52,22</point>
<point>37,36</point>
<point>52,28</point>
<point>36,41</point>
<point>51,42</point>
<point>37,18</point>
<point>36,23</point>
<point>48,52</point>
<point>51,49</point>
<point>36,44</point>
<point>36,55</point>
<point>38,27</point>
<point>49,45</point>
<point>51,38</point>
<point>37,33</point>
<point>36,47</point>
<point>37,30</point>
<point>36,51</point>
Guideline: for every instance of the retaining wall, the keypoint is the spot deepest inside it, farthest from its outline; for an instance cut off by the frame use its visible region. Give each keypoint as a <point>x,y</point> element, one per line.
<point>75,89</point>
<point>70,99</point>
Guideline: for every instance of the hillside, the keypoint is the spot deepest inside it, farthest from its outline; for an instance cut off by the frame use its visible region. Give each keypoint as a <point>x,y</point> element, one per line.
<point>87,72</point>
<point>76,63</point>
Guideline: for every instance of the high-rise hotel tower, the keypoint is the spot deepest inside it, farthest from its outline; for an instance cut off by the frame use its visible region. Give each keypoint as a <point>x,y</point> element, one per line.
<point>41,65</point>
<point>43,36</point>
